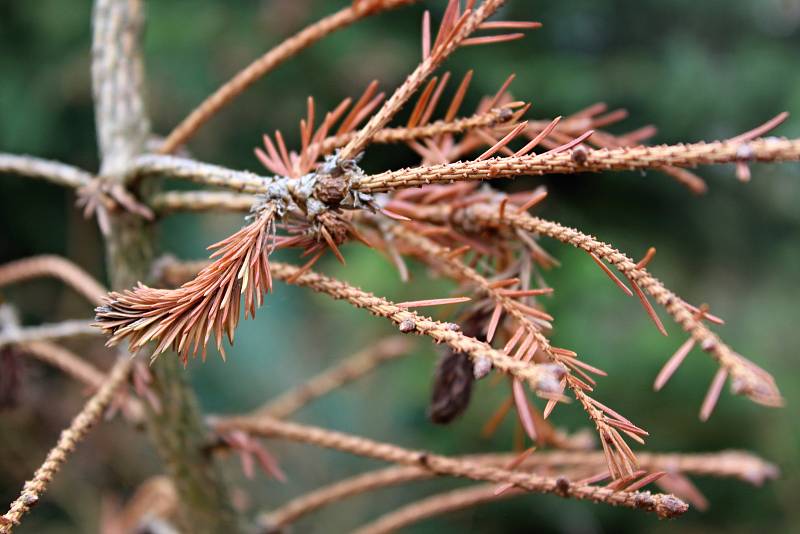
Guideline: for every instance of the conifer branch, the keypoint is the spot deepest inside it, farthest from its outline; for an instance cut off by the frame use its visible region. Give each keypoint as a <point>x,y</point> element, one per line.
<point>454,30</point>
<point>726,464</point>
<point>69,439</point>
<point>770,150</point>
<point>52,171</point>
<point>336,376</point>
<point>665,506</point>
<point>57,267</point>
<point>746,378</point>
<point>268,62</point>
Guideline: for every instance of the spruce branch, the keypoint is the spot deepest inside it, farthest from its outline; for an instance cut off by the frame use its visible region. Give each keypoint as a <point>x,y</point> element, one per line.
<point>769,150</point>
<point>454,30</point>
<point>69,439</point>
<point>52,171</point>
<point>336,376</point>
<point>542,378</point>
<point>530,340</point>
<point>746,378</point>
<point>268,62</point>
<point>740,465</point>
<point>56,267</point>
<point>185,318</point>
<point>665,506</point>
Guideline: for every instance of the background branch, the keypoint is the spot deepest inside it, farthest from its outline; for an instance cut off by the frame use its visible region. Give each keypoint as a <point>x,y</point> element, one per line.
<point>52,171</point>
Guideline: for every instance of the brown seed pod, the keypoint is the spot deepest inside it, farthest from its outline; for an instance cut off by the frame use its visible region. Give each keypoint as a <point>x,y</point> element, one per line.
<point>452,387</point>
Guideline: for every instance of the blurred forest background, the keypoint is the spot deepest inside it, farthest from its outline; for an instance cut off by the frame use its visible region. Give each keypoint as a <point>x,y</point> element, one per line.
<point>697,70</point>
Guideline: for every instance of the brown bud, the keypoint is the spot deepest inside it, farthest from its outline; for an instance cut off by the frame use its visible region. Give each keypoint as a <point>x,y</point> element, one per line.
<point>407,326</point>
<point>452,387</point>
<point>330,189</point>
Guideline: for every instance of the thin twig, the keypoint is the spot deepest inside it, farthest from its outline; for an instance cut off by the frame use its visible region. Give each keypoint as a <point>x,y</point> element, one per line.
<point>52,331</point>
<point>57,267</point>
<point>492,118</point>
<point>665,506</point>
<point>726,464</point>
<point>268,62</point>
<point>616,159</point>
<point>440,503</point>
<point>52,171</point>
<point>341,373</point>
<point>67,361</point>
<point>91,413</point>
<point>175,201</point>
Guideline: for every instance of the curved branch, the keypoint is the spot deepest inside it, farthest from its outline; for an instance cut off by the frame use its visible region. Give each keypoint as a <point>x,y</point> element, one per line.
<point>269,61</point>
<point>438,504</point>
<point>91,413</point>
<point>52,171</point>
<point>57,267</point>
<point>199,172</point>
<point>334,377</point>
<point>726,464</point>
<point>665,506</point>
<point>67,361</point>
<point>48,331</point>
<point>747,378</point>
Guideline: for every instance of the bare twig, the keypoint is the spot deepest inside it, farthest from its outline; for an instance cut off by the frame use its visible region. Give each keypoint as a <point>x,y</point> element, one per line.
<point>663,505</point>
<point>174,201</point>
<point>67,442</point>
<point>347,370</point>
<point>67,361</point>
<point>564,162</point>
<point>734,464</point>
<point>52,171</point>
<point>266,63</point>
<point>41,332</point>
<point>57,267</point>
<point>434,505</point>
<point>196,171</point>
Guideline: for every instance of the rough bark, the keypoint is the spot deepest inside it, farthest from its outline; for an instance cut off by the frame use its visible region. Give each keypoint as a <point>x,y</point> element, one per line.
<point>122,130</point>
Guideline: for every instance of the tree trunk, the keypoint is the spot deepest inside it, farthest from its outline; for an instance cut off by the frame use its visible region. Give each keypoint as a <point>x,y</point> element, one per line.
<point>122,129</point>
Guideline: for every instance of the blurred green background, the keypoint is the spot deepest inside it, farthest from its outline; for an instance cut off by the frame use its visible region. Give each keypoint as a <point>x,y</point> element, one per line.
<point>697,70</point>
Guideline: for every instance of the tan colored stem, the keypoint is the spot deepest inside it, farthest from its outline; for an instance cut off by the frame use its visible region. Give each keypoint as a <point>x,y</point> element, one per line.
<point>347,370</point>
<point>402,135</point>
<point>414,80</point>
<point>67,442</point>
<point>438,504</point>
<point>663,505</point>
<point>57,267</point>
<point>614,159</point>
<point>67,361</point>
<point>52,171</point>
<point>268,62</point>
<point>726,464</point>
